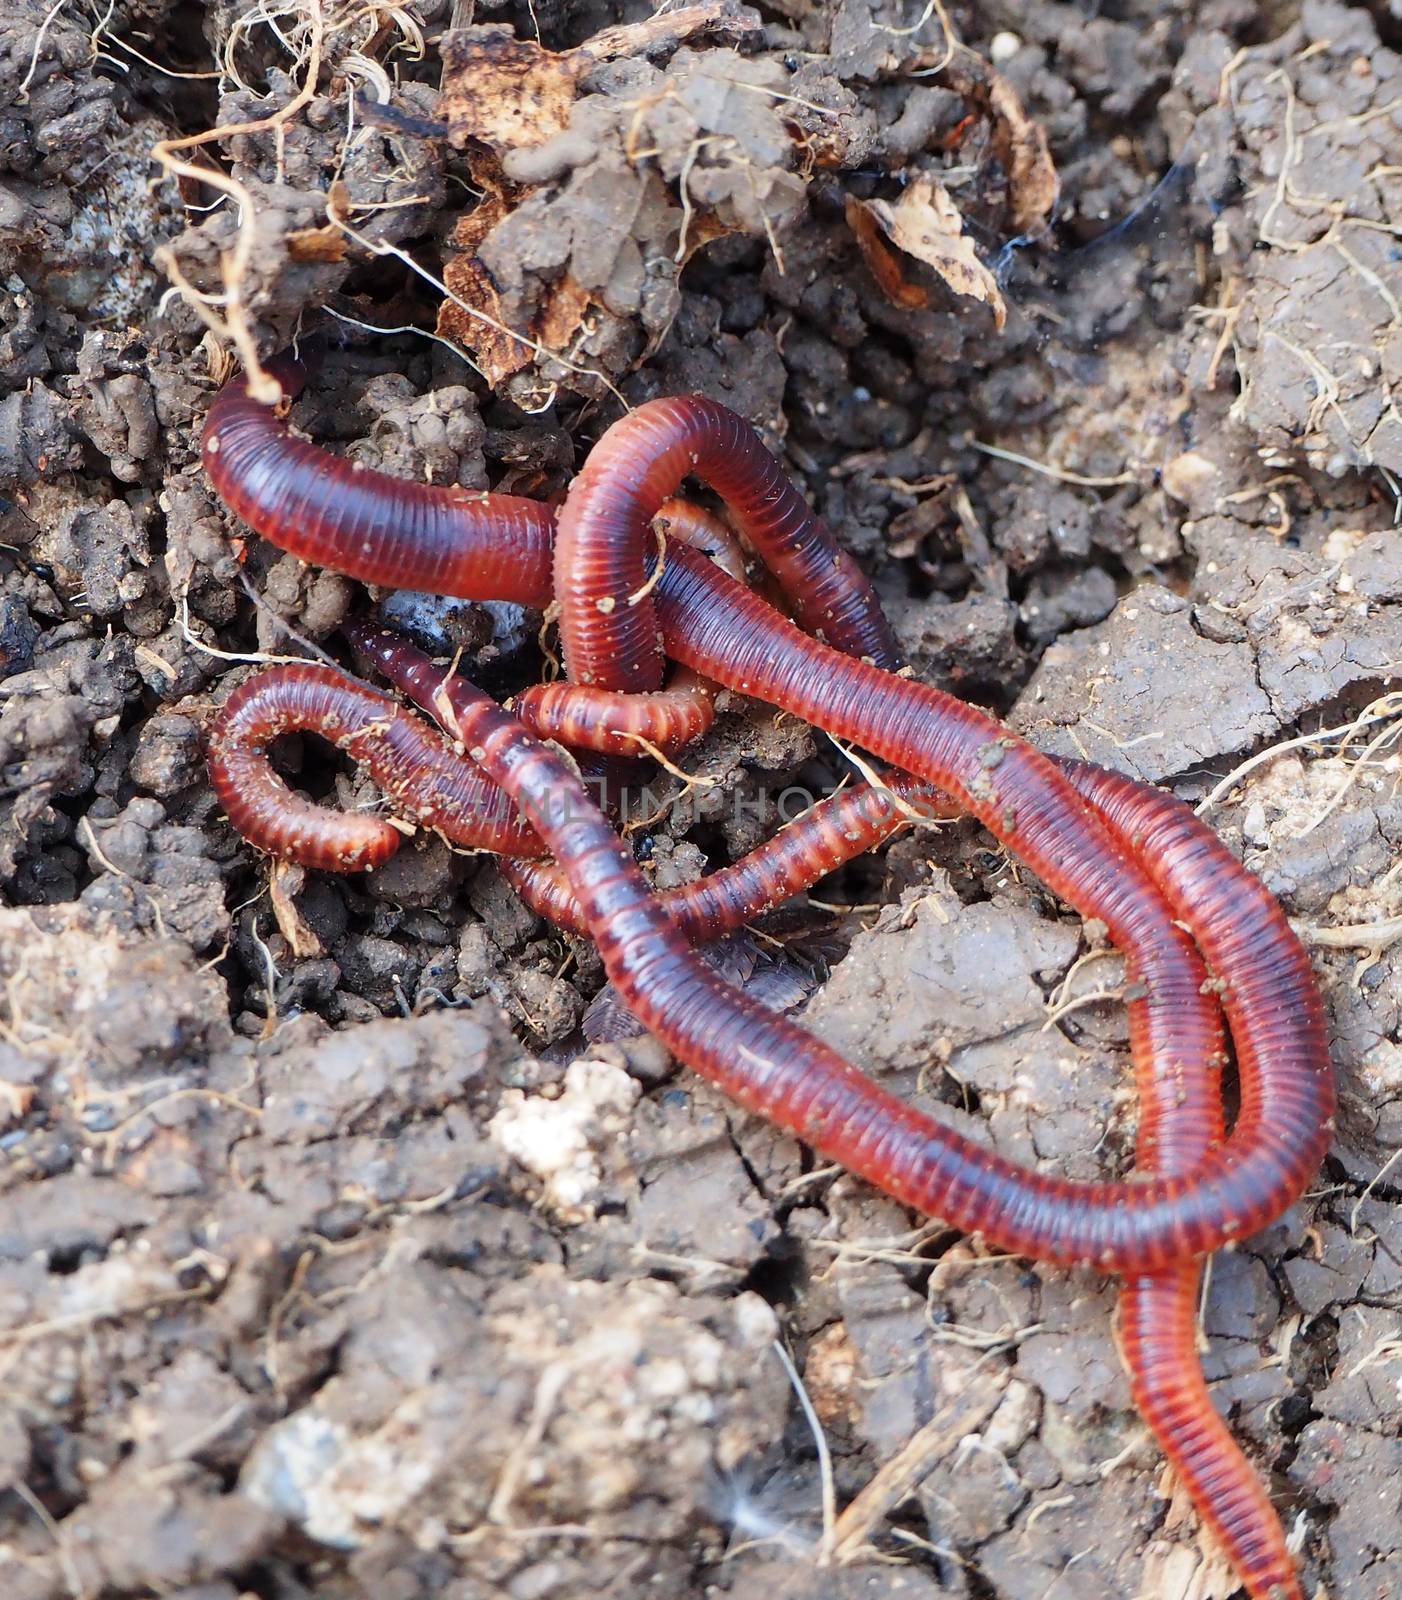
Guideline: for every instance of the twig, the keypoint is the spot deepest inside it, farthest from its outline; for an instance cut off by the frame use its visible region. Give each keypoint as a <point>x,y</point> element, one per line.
<point>912,1463</point>
<point>1059,473</point>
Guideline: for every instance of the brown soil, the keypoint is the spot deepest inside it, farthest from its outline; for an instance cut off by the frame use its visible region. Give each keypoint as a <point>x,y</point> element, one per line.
<point>335,1259</point>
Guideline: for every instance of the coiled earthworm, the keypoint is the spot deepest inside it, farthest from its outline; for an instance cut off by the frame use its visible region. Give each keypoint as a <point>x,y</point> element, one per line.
<point>427,781</point>
<point>411,761</point>
<point>1271,1000</point>
<point>608,623</point>
<point>1179,1092</point>
<point>832,832</point>
<point>1180,1095</point>
<point>715,626</point>
<point>1181,1120</point>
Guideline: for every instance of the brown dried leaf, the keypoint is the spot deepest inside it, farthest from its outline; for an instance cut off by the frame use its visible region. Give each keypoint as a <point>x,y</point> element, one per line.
<point>284,883</point>
<point>505,92</point>
<point>882,261</point>
<point>497,352</point>
<point>1020,143</point>
<point>925,224</point>
<point>512,94</point>
<point>316,244</point>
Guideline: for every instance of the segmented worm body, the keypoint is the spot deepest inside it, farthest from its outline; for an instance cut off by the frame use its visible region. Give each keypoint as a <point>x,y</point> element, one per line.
<point>713,625</point>
<point>1180,1121</point>
<point>1133,858</point>
<point>412,762</point>
<point>831,833</point>
<point>324,508</point>
<point>587,717</point>
<point>608,623</point>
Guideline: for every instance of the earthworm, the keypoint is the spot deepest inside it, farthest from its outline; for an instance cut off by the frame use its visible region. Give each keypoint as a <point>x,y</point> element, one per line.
<point>1181,1104</point>
<point>1273,1005</point>
<point>783,1073</point>
<point>1179,1089</point>
<point>608,622</point>
<point>713,625</point>
<point>453,541</point>
<point>411,761</point>
<point>586,717</point>
<point>1180,1121</point>
<point>832,832</point>
<point>324,508</point>
<point>1228,871</point>
<point>1180,1094</point>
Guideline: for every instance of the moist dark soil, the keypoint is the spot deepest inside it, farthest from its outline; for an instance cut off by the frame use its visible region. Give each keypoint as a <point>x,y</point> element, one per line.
<point>352,1242</point>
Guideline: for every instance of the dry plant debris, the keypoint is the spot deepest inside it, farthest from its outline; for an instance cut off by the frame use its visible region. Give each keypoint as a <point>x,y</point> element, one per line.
<point>924,223</point>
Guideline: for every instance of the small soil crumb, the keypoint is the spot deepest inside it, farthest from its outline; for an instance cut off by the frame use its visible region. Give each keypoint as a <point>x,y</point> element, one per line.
<point>558,1139</point>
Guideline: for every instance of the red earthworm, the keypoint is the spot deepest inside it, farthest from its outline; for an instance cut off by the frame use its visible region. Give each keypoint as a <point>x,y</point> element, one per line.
<point>454,541</point>
<point>1180,1121</point>
<point>427,780</point>
<point>1179,1091</point>
<point>1180,1097</point>
<point>688,523</point>
<point>326,509</point>
<point>713,626</point>
<point>1287,1090</point>
<point>828,835</point>
<point>1231,868</point>
<point>588,718</point>
<point>608,623</point>
<point>412,762</point>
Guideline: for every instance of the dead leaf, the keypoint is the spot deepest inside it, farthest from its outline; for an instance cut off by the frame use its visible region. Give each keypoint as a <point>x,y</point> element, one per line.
<point>512,94</point>
<point>1020,143</point>
<point>882,261</point>
<point>496,350</point>
<point>924,224</point>
<point>316,244</point>
<point>505,92</point>
<point>284,882</point>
